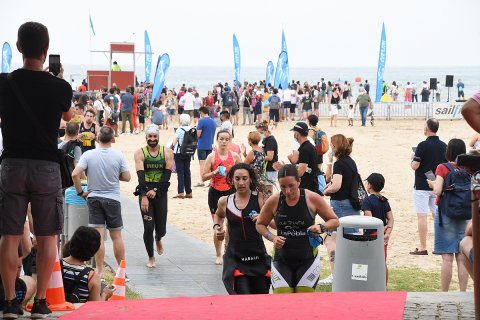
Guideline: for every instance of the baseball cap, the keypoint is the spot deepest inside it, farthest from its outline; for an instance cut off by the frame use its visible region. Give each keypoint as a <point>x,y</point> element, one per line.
<point>377,181</point>
<point>300,127</point>
<point>152,129</point>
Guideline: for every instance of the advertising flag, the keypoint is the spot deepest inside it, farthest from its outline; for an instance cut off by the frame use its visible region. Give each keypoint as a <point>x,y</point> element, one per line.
<point>236,60</point>
<point>270,73</point>
<point>280,75</point>
<point>6,57</point>
<point>382,58</point>
<point>163,64</point>
<point>148,57</point>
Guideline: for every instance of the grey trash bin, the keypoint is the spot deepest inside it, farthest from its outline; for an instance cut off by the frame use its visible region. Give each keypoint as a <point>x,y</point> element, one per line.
<point>359,258</point>
<point>75,213</point>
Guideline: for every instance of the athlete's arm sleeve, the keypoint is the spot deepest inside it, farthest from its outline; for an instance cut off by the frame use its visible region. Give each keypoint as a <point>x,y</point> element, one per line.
<point>167,173</point>
<point>142,184</point>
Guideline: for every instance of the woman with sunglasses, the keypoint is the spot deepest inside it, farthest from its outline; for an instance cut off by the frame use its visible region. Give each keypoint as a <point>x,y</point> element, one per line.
<point>296,255</point>
<point>246,264</point>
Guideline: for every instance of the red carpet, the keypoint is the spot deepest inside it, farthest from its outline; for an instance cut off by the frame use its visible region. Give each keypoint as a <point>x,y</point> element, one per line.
<point>321,305</point>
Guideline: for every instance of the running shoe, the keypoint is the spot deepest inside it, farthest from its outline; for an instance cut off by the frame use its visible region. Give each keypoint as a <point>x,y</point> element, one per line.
<point>12,310</point>
<point>40,309</point>
<point>327,281</point>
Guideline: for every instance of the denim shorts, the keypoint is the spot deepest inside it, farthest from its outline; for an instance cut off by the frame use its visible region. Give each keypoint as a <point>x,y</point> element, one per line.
<point>343,208</point>
<point>448,236</point>
<point>37,182</point>
<point>104,211</point>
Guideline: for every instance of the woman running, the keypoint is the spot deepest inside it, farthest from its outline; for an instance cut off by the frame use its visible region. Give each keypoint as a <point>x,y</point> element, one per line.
<point>246,268</point>
<point>216,167</point>
<point>296,261</point>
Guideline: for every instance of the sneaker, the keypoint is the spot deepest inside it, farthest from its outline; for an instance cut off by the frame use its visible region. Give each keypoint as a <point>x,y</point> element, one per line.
<point>40,309</point>
<point>327,281</point>
<point>12,310</point>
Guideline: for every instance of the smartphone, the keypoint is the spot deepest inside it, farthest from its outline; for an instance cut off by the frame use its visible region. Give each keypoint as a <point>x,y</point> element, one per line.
<point>414,149</point>
<point>430,176</point>
<point>54,64</point>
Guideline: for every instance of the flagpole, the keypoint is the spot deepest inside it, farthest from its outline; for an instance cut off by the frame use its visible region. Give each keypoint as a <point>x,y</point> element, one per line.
<point>90,37</point>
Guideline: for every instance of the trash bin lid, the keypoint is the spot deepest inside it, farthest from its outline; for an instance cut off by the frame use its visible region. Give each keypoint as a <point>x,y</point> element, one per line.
<point>364,222</point>
<point>71,196</point>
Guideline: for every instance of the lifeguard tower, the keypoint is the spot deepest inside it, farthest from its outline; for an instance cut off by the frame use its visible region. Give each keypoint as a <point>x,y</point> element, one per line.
<point>98,79</point>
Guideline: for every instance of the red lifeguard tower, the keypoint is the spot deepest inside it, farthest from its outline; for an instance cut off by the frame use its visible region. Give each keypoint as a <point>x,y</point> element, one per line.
<point>98,79</point>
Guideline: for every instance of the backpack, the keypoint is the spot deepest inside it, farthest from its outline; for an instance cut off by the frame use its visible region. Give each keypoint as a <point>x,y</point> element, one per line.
<point>455,198</point>
<point>357,192</point>
<point>321,142</point>
<point>71,287</point>
<point>113,117</point>
<point>228,99</point>
<point>67,152</point>
<point>324,86</point>
<point>190,141</point>
<point>274,102</point>
<point>258,163</point>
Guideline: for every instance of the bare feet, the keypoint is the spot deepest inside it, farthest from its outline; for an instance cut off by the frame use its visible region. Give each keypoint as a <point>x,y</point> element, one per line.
<point>151,262</point>
<point>159,247</point>
<point>218,261</point>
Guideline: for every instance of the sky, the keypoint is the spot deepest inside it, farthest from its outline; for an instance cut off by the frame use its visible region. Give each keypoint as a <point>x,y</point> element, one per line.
<point>318,33</point>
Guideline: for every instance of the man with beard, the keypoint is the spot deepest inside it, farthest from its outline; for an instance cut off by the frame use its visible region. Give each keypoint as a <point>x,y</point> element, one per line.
<point>153,164</point>
<point>88,131</point>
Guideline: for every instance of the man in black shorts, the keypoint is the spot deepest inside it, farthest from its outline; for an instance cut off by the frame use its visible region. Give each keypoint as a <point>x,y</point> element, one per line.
<point>30,170</point>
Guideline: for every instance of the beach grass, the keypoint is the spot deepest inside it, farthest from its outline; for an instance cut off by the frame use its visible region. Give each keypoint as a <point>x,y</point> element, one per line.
<point>402,279</point>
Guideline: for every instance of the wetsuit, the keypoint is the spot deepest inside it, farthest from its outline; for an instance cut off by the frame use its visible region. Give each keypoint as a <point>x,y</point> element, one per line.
<point>218,185</point>
<point>87,144</point>
<point>296,267</point>
<point>156,217</point>
<point>246,264</point>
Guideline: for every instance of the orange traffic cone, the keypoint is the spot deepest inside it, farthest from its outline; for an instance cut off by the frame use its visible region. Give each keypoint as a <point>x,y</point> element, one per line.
<point>119,283</point>
<point>55,292</point>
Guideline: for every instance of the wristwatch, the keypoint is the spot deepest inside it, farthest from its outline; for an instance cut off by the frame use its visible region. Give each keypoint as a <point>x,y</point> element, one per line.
<point>323,229</point>
<point>80,193</point>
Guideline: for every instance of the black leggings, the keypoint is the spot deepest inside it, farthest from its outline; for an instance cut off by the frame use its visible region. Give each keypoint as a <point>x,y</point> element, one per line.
<point>251,285</point>
<point>154,219</point>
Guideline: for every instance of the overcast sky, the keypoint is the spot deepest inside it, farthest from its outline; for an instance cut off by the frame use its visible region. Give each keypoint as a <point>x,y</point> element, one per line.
<point>199,33</point>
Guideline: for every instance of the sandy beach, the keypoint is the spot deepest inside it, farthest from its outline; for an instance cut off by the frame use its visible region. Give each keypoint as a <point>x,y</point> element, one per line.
<point>384,148</point>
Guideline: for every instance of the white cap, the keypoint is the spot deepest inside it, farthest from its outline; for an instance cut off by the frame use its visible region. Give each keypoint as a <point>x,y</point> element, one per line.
<point>152,129</point>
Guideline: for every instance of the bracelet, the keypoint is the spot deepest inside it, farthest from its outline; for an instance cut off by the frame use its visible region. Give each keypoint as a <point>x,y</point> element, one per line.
<point>215,225</point>
<point>267,235</point>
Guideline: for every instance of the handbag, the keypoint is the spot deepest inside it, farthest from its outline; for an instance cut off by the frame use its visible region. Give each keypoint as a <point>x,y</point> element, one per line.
<point>65,173</point>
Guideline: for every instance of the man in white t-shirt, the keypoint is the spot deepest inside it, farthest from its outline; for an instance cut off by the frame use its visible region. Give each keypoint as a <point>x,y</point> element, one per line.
<point>189,100</point>
<point>105,168</point>
<point>287,96</point>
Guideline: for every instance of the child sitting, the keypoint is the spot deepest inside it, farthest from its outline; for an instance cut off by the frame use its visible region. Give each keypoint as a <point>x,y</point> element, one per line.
<point>376,205</point>
<point>351,115</point>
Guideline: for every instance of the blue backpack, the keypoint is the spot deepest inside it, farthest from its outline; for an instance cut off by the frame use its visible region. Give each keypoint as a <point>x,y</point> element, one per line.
<point>455,198</point>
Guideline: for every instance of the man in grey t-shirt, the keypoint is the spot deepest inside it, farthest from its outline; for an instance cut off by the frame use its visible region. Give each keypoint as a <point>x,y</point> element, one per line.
<point>105,168</point>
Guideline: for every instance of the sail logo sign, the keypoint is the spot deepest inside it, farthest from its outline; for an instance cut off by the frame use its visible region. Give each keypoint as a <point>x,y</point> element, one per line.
<point>447,111</point>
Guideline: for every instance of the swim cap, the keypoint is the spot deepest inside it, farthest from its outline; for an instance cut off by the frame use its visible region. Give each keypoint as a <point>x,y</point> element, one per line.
<point>152,129</point>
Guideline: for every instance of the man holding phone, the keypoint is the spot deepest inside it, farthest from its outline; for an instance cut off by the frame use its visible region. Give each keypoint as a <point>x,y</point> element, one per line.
<point>426,157</point>
<point>30,170</point>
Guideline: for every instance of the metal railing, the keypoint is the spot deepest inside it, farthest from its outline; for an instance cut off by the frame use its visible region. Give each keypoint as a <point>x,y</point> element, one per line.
<point>387,110</point>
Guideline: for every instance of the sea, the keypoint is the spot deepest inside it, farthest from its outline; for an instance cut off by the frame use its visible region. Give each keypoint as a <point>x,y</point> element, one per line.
<point>203,78</point>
